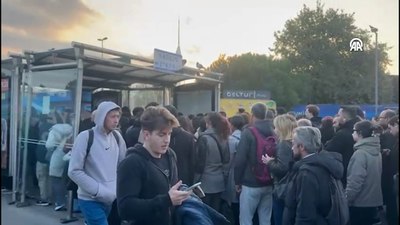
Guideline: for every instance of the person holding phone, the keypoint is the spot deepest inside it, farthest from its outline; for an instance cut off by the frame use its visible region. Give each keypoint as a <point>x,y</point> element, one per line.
<point>147,179</point>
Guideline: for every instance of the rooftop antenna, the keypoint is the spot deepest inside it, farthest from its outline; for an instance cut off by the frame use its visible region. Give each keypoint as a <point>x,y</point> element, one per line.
<point>178,50</point>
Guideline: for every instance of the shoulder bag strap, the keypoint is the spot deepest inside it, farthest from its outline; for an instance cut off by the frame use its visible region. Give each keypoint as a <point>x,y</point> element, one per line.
<point>218,145</point>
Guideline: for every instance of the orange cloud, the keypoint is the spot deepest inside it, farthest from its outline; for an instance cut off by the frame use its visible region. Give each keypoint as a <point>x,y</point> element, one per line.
<point>6,50</point>
<point>45,19</point>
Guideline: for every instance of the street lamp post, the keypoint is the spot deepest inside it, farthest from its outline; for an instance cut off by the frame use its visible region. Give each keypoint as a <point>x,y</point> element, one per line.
<point>375,30</point>
<point>102,40</point>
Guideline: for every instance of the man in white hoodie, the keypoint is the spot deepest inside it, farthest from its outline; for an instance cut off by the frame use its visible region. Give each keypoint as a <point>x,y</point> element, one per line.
<point>96,173</point>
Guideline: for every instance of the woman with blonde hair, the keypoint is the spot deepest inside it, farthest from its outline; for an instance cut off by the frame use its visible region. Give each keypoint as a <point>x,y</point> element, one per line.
<point>279,166</point>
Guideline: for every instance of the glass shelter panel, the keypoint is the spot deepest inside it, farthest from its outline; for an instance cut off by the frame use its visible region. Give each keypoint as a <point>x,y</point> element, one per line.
<point>5,121</point>
<point>48,98</point>
<point>53,95</point>
<point>143,97</point>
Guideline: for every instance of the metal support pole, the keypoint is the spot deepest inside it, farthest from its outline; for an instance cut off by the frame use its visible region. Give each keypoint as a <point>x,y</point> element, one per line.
<point>376,73</point>
<point>102,40</point>
<point>166,96</point>
<point>70,208</point>
<point>102,52</point>
<point>15,144</point>
<point>78,99</point>
<point>217,97</point>
<point>78,89</point>
<point>23,202</point>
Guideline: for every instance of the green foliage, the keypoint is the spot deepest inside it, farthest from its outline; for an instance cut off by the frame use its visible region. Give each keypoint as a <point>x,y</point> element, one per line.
<point>220,65</point>
<point>312,63</point>
<point>259,72</point>
<point>317,43</point>
<point>390,92</point>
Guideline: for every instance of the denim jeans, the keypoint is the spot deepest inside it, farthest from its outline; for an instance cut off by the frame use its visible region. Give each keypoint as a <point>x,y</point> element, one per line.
<point>59,190</point>
<point>277,212</point>
<point>95,213</point>
<point>252,199</point>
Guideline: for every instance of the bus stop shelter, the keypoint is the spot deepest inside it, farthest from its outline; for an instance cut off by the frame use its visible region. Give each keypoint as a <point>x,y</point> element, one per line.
<point>54,81</point>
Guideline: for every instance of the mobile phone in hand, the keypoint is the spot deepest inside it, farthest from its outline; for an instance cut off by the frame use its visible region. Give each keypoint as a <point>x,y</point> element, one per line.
<point>193,186</point>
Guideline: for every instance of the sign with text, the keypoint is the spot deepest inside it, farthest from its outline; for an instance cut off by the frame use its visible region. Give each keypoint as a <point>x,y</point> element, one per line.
<point>168,61</point>
<point>246,94</point>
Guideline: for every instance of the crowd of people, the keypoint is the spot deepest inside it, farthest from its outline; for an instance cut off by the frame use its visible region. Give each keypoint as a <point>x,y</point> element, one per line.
<point>141,174</point>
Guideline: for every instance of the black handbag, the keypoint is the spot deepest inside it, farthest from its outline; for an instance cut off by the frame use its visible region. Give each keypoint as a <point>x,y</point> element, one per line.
<point>280,187</point>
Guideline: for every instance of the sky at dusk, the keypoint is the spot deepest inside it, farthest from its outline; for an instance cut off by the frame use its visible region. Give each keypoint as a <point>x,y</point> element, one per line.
<point>208,27</point>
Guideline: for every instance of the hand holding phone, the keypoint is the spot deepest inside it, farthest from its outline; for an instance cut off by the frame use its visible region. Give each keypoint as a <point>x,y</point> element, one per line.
<point>176,196</point>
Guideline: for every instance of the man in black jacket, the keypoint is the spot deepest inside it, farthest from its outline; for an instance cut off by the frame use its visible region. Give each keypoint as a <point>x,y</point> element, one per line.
<point>145,176</point>
<point>388,142</point>
<point>342,142</point>
<point>308,192</point>
<point>182,142</point>
<point>132,134</point>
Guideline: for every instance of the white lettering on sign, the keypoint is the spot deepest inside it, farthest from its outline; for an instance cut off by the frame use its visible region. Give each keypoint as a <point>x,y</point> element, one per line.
<point>246,94</point>
<point>239,94</point>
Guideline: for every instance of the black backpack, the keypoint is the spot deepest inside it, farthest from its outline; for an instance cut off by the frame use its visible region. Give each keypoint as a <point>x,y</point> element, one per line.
<point>339,213</point>
<point>90,141</point>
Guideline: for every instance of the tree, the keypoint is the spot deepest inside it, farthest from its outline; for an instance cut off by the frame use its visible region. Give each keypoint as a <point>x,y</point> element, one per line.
<point>316,43</point>
<point>220,65</point>
<point>390,92</point>
<point>259,72</point>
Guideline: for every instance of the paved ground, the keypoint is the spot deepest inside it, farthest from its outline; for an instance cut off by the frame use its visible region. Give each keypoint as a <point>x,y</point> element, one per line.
<point>31,215</point>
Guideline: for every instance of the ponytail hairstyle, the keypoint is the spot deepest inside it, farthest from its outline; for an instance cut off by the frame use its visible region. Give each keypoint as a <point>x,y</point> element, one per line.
<point>219,123</point>
<point>367,129</point>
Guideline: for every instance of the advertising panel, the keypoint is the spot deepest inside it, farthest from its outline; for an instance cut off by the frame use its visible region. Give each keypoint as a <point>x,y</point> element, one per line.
<point>231,106</point>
